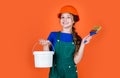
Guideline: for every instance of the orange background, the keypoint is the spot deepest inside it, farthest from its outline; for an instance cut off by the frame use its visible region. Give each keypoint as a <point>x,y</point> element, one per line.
<point>23,22</point>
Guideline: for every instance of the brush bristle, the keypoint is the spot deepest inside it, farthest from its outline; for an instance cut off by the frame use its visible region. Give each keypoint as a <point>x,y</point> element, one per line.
<point>96,28</point>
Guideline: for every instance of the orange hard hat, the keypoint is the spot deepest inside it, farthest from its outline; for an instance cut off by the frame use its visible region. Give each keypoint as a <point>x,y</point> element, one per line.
<point>69,9</point>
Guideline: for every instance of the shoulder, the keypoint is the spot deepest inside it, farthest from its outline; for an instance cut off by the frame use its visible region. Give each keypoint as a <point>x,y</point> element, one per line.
<point>54,32</point>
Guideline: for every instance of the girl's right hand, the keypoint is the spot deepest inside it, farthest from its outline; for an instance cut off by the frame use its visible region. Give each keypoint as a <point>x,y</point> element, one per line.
<point>44,42</point>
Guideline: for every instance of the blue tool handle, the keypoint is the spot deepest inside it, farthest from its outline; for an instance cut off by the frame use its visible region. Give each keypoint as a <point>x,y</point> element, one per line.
<point>91,34</point>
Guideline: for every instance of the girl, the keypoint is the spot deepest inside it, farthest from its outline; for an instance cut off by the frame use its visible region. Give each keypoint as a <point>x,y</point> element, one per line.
<point>68,45</point>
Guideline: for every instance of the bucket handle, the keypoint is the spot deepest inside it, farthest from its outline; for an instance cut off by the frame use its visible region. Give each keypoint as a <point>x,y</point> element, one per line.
<point>38,43</point>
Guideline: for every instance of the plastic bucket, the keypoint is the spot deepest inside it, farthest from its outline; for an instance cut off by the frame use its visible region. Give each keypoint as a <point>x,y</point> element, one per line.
<point>43,59</point>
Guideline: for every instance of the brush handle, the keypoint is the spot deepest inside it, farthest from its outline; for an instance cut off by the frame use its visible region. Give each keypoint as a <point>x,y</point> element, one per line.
<point>91,34</point>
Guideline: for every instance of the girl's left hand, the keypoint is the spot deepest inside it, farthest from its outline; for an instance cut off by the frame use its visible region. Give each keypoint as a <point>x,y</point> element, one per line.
<point>86,39</point>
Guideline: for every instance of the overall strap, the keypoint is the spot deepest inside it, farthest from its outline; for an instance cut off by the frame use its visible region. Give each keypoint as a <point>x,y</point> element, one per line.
<point>58,36</point>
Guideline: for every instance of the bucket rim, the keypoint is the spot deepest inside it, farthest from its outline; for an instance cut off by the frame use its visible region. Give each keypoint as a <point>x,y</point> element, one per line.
<point>43,52</point>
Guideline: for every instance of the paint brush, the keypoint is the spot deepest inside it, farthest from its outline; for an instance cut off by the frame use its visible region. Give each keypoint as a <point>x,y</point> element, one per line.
<point>94,31</point>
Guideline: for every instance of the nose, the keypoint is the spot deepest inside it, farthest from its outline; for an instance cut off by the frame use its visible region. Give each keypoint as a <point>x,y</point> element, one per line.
<point>65,19</point>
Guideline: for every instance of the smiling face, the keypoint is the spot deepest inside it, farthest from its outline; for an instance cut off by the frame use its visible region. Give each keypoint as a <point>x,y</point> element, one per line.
<point>66,20</point>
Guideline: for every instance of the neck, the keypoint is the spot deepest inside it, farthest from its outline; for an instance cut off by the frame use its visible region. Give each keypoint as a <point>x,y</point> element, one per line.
<point>67,30</point>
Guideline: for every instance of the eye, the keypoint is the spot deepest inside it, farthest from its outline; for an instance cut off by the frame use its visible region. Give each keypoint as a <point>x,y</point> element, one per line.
<point>68,17</point>
<point>62,17</point>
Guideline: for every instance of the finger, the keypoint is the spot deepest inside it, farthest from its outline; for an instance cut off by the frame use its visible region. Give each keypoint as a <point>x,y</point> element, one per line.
<point>87,42</point>
<point>41,41</point>
<point>48,42</point>
<point>89,38</point>
<point>86,36</point>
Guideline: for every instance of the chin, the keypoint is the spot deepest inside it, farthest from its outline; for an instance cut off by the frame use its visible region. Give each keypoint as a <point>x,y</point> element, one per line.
<point>66,26</point>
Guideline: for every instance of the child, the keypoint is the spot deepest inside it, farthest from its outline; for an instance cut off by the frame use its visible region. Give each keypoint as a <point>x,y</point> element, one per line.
<point>68,45</point>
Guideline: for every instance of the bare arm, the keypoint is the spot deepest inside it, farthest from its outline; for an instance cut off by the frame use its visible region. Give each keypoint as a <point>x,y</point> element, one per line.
<point>78,55</point>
